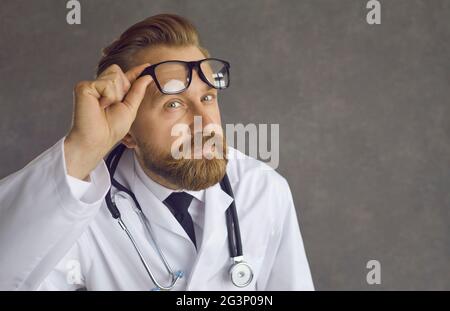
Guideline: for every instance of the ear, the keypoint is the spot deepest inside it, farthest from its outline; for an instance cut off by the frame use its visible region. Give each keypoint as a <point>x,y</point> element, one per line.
<point>129,141</point>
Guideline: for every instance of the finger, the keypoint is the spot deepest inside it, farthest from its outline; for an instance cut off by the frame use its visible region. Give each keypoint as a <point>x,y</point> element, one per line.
<point>125,83</point>
<point>117,75</point>
<point>120,82</point>
<point>137,92</point>
<point>108,92</point>
<point>108,98</point>
<point>134,72</point>
<point>119,86</point>
<point>114,68</point>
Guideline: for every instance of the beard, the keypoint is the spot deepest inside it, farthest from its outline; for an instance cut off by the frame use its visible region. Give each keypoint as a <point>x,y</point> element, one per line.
<point>187,173</point>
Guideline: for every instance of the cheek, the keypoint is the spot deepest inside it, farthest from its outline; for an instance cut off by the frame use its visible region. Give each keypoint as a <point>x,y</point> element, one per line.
<point>216,116</point>
<point>151,129</point>
<point>214,111</point>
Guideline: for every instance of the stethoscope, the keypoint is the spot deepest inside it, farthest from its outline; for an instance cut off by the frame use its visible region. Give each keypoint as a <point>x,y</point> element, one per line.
<point>240,271</point>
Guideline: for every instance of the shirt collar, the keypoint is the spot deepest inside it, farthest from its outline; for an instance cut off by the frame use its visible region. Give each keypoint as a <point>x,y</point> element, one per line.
<point>159,190</point>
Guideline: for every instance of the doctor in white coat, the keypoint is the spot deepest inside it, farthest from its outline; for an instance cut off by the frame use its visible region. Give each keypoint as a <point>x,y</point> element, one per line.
<point>56,232</point>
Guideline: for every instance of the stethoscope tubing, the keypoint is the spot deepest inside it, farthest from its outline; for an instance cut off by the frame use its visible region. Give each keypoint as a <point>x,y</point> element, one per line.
<point>234,240</point>
<point>234,236</point>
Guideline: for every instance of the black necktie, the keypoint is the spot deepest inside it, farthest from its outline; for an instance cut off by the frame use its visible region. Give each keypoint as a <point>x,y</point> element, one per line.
<point>178,203</point>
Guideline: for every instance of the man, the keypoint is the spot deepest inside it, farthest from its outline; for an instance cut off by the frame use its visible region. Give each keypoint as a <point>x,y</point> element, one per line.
<point>56,231</point>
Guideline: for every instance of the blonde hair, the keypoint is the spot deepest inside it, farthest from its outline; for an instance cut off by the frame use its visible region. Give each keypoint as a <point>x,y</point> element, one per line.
<point>161,29</point>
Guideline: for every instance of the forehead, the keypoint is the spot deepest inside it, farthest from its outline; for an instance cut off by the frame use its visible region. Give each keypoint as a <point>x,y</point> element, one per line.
<point>160,53</point>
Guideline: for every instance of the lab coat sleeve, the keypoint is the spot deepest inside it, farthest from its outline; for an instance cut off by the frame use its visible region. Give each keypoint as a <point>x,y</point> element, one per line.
<point>286,257</point>
<point>41,218</point>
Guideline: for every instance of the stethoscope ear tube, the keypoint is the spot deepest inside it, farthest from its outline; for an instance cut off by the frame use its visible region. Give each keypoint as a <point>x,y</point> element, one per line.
<point>241,272</point>
<point>112,206</point>
<point>235,242</point>
<point>111,163</point>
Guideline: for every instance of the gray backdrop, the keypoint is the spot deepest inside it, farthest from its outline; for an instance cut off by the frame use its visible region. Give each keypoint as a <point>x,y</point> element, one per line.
<point>363,111</point>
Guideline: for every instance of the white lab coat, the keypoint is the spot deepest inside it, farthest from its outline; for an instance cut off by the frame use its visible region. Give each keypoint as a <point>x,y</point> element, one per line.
<point>52,240</point>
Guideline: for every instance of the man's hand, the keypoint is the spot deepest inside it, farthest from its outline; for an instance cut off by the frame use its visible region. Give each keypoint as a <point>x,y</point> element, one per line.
<point>104,111</point>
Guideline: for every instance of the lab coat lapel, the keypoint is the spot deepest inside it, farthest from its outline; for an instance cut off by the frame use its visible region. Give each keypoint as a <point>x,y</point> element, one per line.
<point>214,236</point>
<point>216,203</point>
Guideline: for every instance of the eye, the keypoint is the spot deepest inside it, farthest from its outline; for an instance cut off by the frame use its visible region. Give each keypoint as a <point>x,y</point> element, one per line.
<point>209,97</point>
<point>173,104</point>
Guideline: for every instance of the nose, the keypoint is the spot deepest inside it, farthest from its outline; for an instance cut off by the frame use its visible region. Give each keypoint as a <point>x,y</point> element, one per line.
<point>196,91</point>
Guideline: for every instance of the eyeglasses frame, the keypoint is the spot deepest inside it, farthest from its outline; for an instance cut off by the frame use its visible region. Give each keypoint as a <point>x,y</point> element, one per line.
<point>150,70</point>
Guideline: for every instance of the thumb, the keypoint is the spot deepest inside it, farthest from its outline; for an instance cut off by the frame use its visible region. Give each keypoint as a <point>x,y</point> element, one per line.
<point>136,93</point>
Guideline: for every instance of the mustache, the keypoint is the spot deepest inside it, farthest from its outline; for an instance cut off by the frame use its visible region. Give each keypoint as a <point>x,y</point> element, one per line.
<point>200,138</point>
<point>184,169</point>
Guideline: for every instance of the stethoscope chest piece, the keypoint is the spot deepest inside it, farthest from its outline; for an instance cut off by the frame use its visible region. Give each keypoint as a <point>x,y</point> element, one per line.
<point>241,274</point>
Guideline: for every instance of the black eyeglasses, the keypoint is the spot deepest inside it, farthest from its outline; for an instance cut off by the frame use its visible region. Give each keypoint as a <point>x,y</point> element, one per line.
<point>175,76</point>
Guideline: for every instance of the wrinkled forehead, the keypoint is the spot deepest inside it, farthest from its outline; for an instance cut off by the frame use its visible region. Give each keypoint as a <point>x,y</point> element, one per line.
<point>161,53</point>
